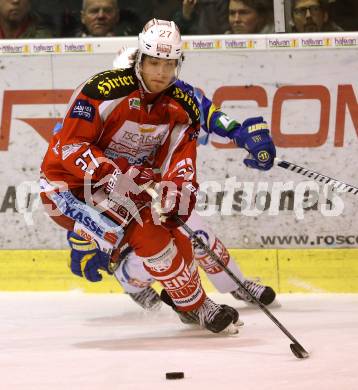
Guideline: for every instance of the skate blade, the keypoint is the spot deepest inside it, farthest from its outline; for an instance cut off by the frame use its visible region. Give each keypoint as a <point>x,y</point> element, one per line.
<point>239,323</point>
<point>231,329</point>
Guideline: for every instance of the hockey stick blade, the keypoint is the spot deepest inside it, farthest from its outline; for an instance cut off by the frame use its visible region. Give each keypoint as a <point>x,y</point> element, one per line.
<point>319,177</point>
<point>296,347</point>
<point>298,351</point>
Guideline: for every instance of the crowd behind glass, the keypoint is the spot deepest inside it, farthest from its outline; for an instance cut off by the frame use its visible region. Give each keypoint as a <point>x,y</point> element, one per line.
<point>100,18</point>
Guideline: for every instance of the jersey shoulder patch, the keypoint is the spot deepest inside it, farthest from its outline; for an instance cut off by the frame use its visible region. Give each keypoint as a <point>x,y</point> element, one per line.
<point>186,100</point>
<point>111,84</point>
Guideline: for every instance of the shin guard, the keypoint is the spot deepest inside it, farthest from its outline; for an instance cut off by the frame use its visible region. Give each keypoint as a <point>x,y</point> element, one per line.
<point>180,279</point>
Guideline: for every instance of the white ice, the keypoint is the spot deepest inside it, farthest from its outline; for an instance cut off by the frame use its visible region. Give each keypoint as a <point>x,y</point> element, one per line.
<point>66,341</point>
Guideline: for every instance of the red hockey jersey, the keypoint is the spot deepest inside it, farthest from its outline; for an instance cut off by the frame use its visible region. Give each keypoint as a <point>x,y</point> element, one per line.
<point>109,116</point>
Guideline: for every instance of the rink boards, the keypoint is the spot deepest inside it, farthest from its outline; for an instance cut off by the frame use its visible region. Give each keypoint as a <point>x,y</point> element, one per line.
<point>311,271</point>
<point>294,233</point>
<point>304,86</point>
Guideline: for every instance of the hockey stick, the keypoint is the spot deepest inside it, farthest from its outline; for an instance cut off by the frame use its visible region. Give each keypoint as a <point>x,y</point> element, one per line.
<point>296,347</point>
<point>323,179</point>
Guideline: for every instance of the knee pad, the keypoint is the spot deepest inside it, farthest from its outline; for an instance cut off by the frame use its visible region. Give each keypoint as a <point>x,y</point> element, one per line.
<point>132,275</point>
<point>162,261</point>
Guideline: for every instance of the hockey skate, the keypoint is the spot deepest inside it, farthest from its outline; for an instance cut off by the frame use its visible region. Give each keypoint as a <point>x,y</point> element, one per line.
<point>186,317</point>
<point>217,318</point>
<point>265,294</point>
<point>214,317</point>
<point>148,299</point>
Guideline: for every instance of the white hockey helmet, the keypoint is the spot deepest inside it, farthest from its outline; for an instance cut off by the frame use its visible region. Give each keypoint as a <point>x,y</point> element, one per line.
<point>161,38</point>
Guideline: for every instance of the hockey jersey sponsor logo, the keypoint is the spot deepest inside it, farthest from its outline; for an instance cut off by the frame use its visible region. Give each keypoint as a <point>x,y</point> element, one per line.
<point>204,236</point>
<point>134,103</point>
<point>179,94</point>
<point>84,219</point>
<point>83,109</point>
<point>108,236</point>
<point>67,150</point>
<point>143,139</point>
<point>137,136</point>
<point>138,144</point>
<point>193,298</point>
<point>162,261</point>
<point>179,281</point>
<point>108,84</point>
<point>111,237</point>
<point>81,213</point>
<point>116,152</point>
<point>184,289</point>
<point>210,266</point>
<point>144,130</point>
<point>82,233</point>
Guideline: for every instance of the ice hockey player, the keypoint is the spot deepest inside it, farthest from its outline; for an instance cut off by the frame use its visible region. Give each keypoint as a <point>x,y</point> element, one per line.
<point>132,275</point>
<point>124,130</point>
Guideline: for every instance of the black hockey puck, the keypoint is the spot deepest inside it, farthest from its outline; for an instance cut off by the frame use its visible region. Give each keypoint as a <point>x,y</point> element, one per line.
<point>174,375</point>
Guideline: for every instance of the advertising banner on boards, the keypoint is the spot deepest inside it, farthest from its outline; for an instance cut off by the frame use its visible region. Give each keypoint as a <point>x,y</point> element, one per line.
<point>305,88</point>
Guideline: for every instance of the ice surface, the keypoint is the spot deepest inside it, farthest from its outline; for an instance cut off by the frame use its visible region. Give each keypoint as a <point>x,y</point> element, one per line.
<point>73,340</point>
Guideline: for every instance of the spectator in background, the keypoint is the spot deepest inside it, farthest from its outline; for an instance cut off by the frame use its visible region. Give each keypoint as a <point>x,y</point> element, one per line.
<point>203,17</point>
<point>99,18</point>
<point>102,18</point>
<point>251,17</point>
<point>17,21</point>
<point>312,16</point>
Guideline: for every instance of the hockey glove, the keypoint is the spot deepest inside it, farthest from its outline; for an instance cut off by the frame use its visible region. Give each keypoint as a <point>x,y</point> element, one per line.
<point>130,181</point>
<point>86,259</point>
<point>177,202</point>
<point>254,136</point>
